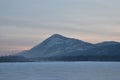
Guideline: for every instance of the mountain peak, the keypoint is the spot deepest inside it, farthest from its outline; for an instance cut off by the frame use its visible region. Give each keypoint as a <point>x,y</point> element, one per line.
<point>57,36</point>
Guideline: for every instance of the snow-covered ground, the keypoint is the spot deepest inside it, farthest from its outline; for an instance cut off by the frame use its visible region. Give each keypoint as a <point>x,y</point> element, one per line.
<point>60,71</point>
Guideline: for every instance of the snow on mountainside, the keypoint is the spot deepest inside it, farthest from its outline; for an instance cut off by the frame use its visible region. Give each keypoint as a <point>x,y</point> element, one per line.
<point>102,49</point>
<point>110,48</point>
<point>57,45</point>
<point>60,46</point>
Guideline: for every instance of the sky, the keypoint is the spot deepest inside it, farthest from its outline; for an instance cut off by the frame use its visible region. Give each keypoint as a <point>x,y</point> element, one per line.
<point>26,23</point>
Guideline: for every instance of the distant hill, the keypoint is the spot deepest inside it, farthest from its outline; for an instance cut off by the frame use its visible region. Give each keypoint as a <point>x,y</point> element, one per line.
<point>60,48</point>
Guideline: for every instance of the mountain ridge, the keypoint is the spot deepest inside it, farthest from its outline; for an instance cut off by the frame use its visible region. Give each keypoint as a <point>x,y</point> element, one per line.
<point>56,43</point>
<point>60,48</point>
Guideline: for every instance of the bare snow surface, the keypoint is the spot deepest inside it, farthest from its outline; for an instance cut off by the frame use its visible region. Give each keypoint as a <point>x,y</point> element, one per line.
<point>60,71</point>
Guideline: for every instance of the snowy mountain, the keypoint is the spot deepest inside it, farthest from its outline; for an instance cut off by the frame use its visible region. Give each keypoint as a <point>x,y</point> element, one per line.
<point>107,48</point>
<point>57,45</point>
<point>60,48</point>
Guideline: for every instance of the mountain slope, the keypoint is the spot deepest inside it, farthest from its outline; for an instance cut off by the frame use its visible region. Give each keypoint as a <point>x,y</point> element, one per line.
<point>60,48</point>
<point>102,49</point>
<point>57,45</point>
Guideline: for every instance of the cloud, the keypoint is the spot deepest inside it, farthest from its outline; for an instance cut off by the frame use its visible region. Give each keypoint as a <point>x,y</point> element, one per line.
<point>24,25</point>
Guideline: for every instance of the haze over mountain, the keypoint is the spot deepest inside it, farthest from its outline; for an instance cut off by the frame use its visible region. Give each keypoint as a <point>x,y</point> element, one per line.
<point>60,48</point>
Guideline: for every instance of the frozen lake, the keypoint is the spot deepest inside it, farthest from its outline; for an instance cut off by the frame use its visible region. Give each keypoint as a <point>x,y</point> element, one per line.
<point>60,71</point>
